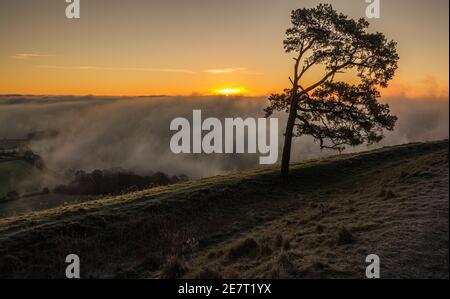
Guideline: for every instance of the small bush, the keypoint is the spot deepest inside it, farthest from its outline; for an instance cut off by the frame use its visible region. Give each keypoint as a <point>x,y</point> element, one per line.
<point>382,193</point>
<point>313,205</point>
<point>319,228</point>
<point>387,194</point>
<point>390,194</point>
<point>244,248</point>
<point>278,240</point>
<point>345,237</point>
<point>211,255</point>
<point>282,268</point>
<point>173,269</point>
<point>286,245</point>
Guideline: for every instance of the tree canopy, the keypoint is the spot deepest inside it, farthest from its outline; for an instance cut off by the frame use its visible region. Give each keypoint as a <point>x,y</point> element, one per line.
<point>336,113</point>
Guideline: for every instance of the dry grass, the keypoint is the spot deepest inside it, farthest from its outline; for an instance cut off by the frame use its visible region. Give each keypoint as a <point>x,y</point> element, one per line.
<point>321,224</point>
<point>173,269</point>
<point>245,248</point>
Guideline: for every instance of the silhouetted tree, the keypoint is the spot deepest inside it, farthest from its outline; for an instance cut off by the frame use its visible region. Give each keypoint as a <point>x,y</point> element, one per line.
<point>335,113</point>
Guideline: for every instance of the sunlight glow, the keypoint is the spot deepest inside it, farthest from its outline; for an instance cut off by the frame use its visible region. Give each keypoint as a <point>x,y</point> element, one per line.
<point>229,91</point>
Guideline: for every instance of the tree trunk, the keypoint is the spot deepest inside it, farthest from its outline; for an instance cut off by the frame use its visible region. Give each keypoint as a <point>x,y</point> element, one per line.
<point>288,140</point>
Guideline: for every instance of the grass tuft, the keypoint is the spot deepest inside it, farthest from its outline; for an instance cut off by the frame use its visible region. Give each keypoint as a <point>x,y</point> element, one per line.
<point>345,237</point>
<point>247,247</point>
<point>173,269</point>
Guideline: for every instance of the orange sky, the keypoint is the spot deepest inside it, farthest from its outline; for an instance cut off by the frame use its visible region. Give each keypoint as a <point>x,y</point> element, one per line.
<point>184,47</point>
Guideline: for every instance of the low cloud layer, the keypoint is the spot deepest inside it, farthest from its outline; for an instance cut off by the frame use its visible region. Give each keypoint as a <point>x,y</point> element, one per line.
<point>128,69</point>
<point>24,56</point>
<point>133,133</point>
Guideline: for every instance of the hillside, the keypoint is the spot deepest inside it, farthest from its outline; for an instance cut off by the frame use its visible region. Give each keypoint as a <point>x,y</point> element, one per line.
<point>333,212</point>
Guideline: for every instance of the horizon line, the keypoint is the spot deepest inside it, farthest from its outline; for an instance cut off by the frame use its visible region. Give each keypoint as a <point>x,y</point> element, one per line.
<point>397,96</point>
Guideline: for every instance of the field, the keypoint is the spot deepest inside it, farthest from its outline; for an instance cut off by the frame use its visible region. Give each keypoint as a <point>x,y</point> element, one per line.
<point>332,213</point>
<point>12,172</point>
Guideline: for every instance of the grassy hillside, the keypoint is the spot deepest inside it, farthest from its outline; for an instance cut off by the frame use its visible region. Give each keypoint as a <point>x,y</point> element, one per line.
<point>333,212</point>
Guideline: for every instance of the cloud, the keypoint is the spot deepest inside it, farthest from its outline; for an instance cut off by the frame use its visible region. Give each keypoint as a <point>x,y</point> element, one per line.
<point>127,69</point>
<point>134,132</point>
<point>429,87</point>
<point>225,71</point>
<point>24,56</point>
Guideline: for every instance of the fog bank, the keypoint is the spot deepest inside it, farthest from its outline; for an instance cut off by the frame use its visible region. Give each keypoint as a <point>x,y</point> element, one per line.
<point>134,133</point>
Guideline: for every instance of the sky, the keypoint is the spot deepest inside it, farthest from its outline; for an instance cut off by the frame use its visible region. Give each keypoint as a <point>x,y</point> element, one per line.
<point>194,47</point>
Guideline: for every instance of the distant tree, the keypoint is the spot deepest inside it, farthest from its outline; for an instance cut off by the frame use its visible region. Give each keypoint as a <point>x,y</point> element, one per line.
<point>12,195</point>
<point>116,181</point>
<point>334,112</point>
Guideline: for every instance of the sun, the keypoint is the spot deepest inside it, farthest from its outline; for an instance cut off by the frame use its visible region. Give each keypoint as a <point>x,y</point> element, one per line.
<point>229,91</point>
